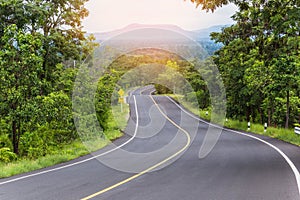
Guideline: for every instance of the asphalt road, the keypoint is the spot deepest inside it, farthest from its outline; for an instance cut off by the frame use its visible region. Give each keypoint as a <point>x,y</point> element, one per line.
<point>164,143</point>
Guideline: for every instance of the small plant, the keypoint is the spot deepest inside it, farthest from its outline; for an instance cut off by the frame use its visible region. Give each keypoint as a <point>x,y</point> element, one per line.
<point>6,155</point>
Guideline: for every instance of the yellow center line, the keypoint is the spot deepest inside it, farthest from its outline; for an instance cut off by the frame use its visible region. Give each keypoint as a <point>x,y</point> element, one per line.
<point>150,168</point>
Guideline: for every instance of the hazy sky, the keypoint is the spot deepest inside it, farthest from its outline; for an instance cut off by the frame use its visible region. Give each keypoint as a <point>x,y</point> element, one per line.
<point>108,15</point>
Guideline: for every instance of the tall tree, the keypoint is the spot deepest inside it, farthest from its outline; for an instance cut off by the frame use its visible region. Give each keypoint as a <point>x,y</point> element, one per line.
<point>20,65</point>
<point>60,22</point>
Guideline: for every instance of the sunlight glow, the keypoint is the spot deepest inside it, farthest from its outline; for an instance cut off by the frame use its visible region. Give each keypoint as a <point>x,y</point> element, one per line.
<point>106,15</point>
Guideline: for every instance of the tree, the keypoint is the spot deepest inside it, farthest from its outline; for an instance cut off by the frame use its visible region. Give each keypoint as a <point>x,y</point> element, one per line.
<point>171,76</point>
<point>60,22</point>
<point>20,65</point>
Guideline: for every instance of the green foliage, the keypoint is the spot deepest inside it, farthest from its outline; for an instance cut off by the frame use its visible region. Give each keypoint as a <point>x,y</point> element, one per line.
<point>6,155</point>
<point>64,78</point>
<point>56,110</point>
<point>20,66</point>
<point>104,99</point>
<point>38,41</point>
<point>43,141</point>
<point>34,145</point>
<point>259,62</point>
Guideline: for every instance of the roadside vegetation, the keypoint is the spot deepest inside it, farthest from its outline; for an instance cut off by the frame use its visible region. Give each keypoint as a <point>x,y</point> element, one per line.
<point>42,46</point>
<point>260,62</point>
<point>64,152</point>
<point>60,155</point>
<point>287,135</point>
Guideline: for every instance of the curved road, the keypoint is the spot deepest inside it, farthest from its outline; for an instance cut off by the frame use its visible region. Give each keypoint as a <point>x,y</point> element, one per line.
<point>241,166</point>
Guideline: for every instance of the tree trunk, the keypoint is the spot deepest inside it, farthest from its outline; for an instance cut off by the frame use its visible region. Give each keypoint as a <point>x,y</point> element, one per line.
<point>247,114</point>
<point>15,137</point>
<point>272,113</point>
<point>261,115</point>
<point>287,114</point>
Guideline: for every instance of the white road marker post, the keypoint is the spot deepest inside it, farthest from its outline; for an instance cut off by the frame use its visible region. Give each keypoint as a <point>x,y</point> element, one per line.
<point>297,130</point>
<point>248,126</point>
<point>266,126</point>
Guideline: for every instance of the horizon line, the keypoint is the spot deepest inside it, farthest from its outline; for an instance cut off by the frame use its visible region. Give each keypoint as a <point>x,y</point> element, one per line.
<point>144,24</point>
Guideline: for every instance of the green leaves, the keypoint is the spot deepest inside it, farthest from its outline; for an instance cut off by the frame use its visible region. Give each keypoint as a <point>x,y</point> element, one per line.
<point>261,55</point>
<point>38,40</point>
<point>6,155</point>
<point>19,75</point>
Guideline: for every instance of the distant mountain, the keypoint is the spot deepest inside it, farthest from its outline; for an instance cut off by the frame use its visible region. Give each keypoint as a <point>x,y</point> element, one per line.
<point>198,35</point>
<point>205,33</point>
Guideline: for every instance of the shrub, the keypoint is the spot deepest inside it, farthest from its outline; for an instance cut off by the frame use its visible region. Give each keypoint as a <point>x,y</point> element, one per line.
<point>6,155</point>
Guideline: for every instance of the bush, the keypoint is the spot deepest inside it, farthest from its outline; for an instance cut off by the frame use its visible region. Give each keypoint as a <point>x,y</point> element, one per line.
<point>34,144</point>
<point>6,155</point>
<point>5,141</point>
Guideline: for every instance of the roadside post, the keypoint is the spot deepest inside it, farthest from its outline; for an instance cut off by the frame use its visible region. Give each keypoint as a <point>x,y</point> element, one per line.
<point>248,126</point>
<point>297,130</point>
<point>266,126</point>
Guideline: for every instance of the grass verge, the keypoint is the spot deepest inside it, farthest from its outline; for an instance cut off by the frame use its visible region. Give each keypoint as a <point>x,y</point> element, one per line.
<point>67,152</point>
<point>283,134</point>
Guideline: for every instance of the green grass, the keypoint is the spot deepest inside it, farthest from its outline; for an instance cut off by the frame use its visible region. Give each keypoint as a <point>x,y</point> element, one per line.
<point>283,134</point>
<point>69,151</point>
<point>286,135</point>
<point>120,118</point>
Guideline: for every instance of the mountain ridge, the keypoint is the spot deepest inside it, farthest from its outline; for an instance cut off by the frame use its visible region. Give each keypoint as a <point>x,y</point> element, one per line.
<point>200,34</point>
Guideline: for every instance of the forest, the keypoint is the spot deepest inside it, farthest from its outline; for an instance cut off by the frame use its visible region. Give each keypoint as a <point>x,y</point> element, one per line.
<point>43,45</point>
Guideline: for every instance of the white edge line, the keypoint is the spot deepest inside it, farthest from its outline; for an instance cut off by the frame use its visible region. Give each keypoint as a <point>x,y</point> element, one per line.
<point>145,89</point>
<point>82,161</point>
<point>291,164</point>
<point>152,91</point>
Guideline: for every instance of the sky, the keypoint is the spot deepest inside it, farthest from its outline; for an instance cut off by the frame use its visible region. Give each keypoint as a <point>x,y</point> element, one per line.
<point>107,15</point>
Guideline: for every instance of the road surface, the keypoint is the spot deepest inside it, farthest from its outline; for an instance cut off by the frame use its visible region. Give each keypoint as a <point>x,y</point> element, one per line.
<point>241,166</point>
